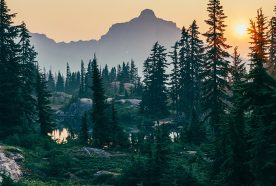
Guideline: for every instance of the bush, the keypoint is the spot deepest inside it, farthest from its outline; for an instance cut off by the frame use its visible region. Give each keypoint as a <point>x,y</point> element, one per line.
<point>30,141</point>
<point>60,163</point>
<point>6,180</point>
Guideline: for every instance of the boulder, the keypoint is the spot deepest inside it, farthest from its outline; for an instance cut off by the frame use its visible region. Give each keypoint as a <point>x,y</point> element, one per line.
<point>9,165</point>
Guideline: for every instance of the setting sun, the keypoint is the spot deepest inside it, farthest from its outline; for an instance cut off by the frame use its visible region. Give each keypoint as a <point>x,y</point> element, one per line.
<point>241,30</point>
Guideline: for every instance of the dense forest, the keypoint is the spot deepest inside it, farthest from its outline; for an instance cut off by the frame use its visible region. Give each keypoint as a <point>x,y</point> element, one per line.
<point>199,114</point>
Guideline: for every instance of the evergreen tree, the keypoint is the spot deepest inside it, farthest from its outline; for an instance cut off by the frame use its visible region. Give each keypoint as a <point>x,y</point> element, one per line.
<point>216,67</point>
<point>82,81</point>
<point>196,60</point>
<point>259,93</point>
<point>112,75</point>
<point>88,79</point>
<point>174,83</point>
<point>60,83</point>
<point>119,72</point>
<point>144,105</point>
<point>105,76</point>
<point>158,158</point>
<point>133,73</point>
<point>272,50</point>
<point>68,79</point>
<point>195,131</point>
<point>119,138</point>
<point>154,100</point>
<point>51,82</point>
<point>27,68</point>
<point>234,169</point>
<point>10,98</point>
<point>215,97</point>
<point>43,105</point>
<point>84,130</point>
<point>185,73</point>
<point>101,128</point>
<point>125,73</point>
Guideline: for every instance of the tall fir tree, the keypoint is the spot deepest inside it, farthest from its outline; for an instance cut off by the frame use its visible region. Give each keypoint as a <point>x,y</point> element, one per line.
<point>144,105</point>
<point>51,82</point>
<point>84,136</point>
<point>10,98</point>
<point>158,157</point>
<point>105,76</point>
<point>215,87</point>
<point>272,49</point>
<point>119,138</point>
<point>154,102</point>
<point>68,83</point>
<point>174,77</point>
<point>234,169</point>
<point>133,73</point>
<point>82,81</point>
<point>259,93</point>
<point>101,128</point>
<point>216,67</point>
<point>197,56</point>
<point>185,81</point>
<point>88,79</point>
<point>60,83</point>
<point>44,110</point>
<point>113,74</point>
<point>27,57</point>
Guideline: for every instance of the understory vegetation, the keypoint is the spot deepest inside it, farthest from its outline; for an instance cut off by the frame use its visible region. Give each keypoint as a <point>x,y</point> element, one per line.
<point>199,115</point>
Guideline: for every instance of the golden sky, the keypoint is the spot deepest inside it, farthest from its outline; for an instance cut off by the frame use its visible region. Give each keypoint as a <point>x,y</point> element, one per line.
<point>71,20</point>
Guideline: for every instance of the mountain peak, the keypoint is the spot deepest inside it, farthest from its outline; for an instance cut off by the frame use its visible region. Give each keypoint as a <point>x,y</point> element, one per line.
<point>147,13</point>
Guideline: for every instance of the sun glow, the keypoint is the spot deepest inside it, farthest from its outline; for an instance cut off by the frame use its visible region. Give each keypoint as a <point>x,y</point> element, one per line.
<point>241,30</point>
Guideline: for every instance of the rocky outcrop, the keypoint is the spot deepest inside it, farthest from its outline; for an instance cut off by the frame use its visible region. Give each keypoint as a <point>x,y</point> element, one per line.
<point>9,163</point>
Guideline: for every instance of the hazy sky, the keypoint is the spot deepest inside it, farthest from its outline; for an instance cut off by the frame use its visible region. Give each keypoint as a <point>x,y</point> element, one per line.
<point>71,20</point>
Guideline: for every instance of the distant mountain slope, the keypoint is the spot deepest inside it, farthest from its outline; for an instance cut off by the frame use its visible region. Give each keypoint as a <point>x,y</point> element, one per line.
<point>123,41</point>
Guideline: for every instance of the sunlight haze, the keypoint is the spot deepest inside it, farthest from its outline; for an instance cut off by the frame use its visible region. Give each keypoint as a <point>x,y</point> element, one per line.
<point>71,20</point>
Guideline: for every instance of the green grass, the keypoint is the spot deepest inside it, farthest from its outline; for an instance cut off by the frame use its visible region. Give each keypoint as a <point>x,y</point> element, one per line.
<point>66,163</point>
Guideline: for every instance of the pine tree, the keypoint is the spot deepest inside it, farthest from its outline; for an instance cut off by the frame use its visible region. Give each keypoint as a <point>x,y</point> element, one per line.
<point>68,82</point>
<point>119,73</point>
<point>158,157</point>
<point>112,74</point>
<point>84,130</point>
<point>144,105</point>
<point>27,57</point>
<point>101,128</point>
<point>43,105</point>
<point>60,83</point>
<point>215,87</point>
<point>105,76</point>
<point>196,57</point>
<point>272,50</point>
<point>10,98</point>
<point>124,76</point>
<point>174,83</point>
<point>259,93</point>
<point>51,82</point>
<point>119,138</point>
<point>154,101</point>
<point>216,67</point>
<point>82,81</point>
<point>234,169</point>
<point>133,73</point>
<point>88,79</point>
<point>185,79</point>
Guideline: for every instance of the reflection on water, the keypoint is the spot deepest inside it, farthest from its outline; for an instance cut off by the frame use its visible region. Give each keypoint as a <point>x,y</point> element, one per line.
<point>60,136</point>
